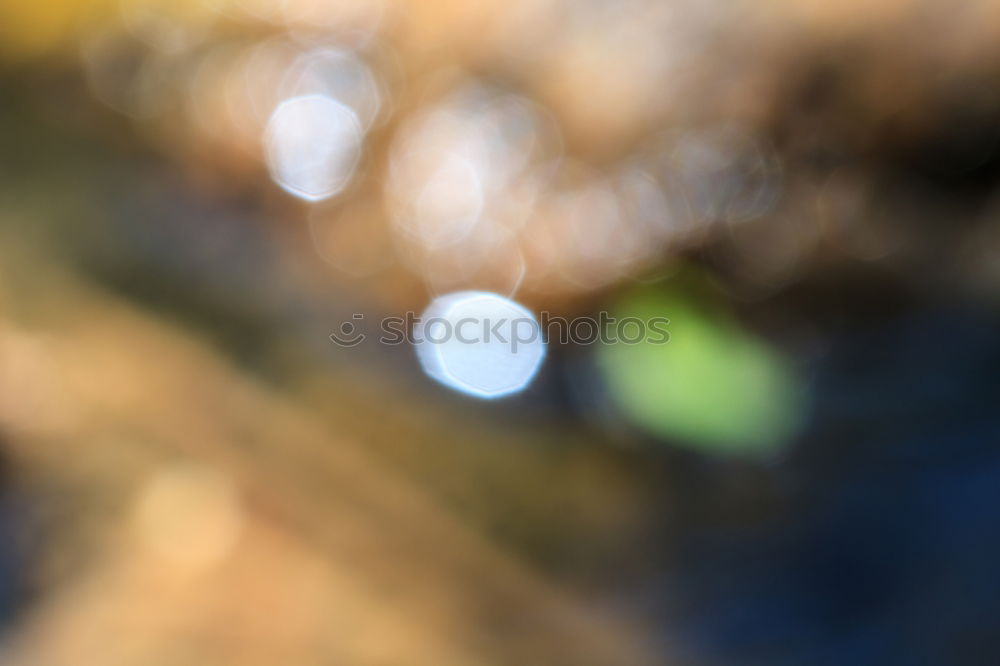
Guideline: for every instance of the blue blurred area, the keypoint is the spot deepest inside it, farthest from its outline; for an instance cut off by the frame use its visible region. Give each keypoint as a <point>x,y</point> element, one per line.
<point>20,538</point>
<point>14,560</point>
<point>886,544</point>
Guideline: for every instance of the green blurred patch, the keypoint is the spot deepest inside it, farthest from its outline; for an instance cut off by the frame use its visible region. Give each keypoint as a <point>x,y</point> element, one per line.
<point>713,386</point>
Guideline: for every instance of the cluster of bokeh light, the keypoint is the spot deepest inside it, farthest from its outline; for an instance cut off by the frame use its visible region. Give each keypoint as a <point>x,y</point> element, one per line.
<point>475,187</point>
<point>456,181</point>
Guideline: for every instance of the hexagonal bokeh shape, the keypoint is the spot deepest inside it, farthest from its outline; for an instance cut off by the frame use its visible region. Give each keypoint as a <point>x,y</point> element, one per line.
<point>479,343</point>
<point>313,144</point>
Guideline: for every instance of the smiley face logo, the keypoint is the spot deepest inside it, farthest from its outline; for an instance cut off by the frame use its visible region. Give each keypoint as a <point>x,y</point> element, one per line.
<point>349,335</point>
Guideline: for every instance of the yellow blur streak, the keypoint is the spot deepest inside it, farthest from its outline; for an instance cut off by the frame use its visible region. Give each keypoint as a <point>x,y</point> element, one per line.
<point>31,29</point>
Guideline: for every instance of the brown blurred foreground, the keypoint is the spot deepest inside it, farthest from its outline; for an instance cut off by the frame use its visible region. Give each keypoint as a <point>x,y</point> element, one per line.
<point>207,520</point>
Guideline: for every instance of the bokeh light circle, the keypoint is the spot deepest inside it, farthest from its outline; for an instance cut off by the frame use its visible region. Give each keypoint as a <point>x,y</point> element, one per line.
<point>479,343</point>
<point>313,145</point>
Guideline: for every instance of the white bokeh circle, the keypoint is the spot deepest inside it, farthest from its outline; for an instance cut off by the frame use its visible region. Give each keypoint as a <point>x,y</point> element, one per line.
<point>479,343</point>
